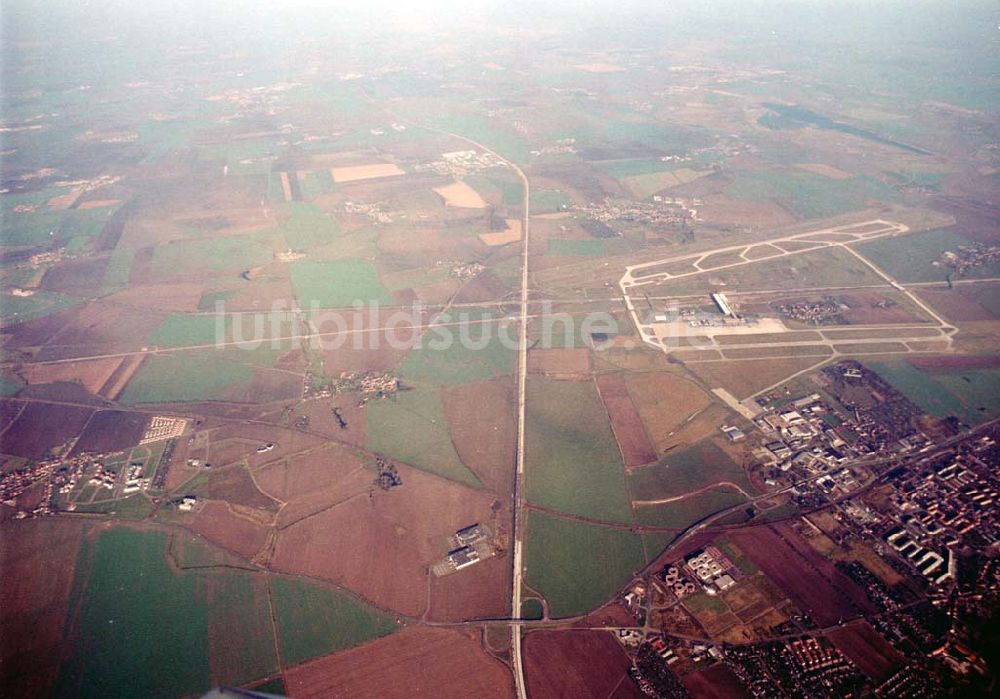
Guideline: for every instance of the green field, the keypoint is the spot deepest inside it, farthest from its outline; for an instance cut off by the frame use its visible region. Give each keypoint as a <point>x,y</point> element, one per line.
<point>972,395</point>
<point>685,471</point>
<point>573,462</point>
<point>911,258</point>
<point>620,169</point>
<point>133,507</point>
<point>17,309</point>
<point>337,283</point>
<point>177,378</point>
<point>532,609</point>
<point>143,629</point>
<point>209,255</point>
<point>185,330</point>
<point>460,354</point>
<point>545,201</point>
<point>576,248</point>
<point>140,627</point>
<point>314,621</point>
<point>809,195</point>
<point>308,226</point>
<point>683,513</point>
<point>411,427</point>
<point>578,566</point>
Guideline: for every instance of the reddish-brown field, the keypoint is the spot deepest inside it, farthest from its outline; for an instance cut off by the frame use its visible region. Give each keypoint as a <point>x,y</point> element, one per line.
<point>41,427</point>
<point>180,297</point>
<point>119,379</point>
<point>309,471</point>
<point>111,430</point>
<point>478,592</point>
<point>220,525</point>
<point>714,683</point>
<point>33,606</point>
<point>91,373</point>
<point>235,486</point>
<point>626,423</point>
<point>418,661</point>
<point>559,361</point>
<point>722,212</point>
<point>957,305</point>
<point>100,328</point>
<point>665,401</point>
<point>485,287</point>
<point>381,546</point>
<point>483,429</point>
<point>811,581</point>
<point>868,649</point>
<point>575,664</point>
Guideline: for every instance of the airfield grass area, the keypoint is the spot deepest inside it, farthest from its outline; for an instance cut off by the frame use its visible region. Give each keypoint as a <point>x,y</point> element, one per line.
<point>411,427</point>
<point>337,283</point>
<point>578,566</point>
<point>573,462</point>
<point>314,621</point>
<point>684,513</point>
<point>810,195</point>
<point>576,248</point>
<point>912,258</point>
<point>817,268</point>
<point>685,471</point>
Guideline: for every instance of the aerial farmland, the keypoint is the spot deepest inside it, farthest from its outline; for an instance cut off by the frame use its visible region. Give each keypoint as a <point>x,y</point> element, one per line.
<point>605,352</point>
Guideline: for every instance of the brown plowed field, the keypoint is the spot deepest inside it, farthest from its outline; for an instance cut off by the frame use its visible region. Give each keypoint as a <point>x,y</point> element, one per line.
<point>664,401</point>
<point>91,373</point>
<point>101,328</point>
<point>180,297</point>
<point>119,379</point>
<point>714,683</point>
<point>625,421</point>
<point>381,547</point>
<point>559,361</point>
<point>111,430</point>
<point>41,427</point>
<point>957,305</point>
<point>33,607</point>
<point>722,212</point>
<point>415,662</point>
<point>483,429</point>
<point>217,523</point>
<point>868,650</point>
<point>235,486</point>
<point>478,592</point>
<point>826,595</point>
<point>485,287</point>
<point>309,471</point>
<point>576,664</point>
